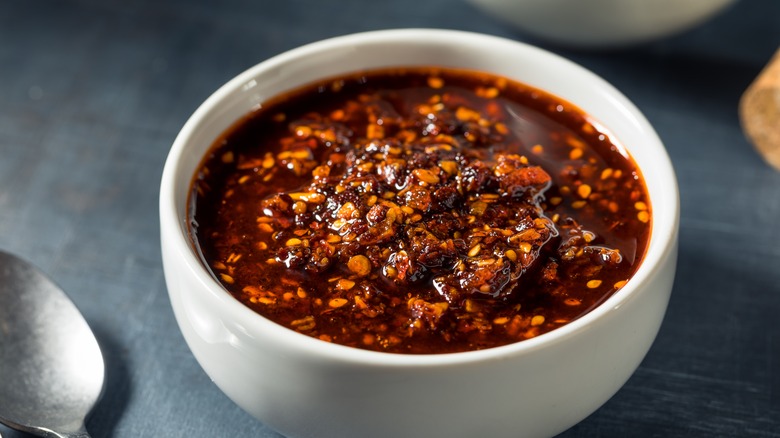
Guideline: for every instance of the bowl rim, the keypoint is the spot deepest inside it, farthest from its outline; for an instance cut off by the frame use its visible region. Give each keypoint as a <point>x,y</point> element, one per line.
<point>662,240</point>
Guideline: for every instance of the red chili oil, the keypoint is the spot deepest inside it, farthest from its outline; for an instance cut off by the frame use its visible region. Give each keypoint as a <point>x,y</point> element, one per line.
<point>419,210</point>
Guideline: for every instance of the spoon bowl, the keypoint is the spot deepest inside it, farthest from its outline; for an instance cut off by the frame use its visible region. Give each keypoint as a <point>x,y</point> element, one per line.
<point>50,362</point>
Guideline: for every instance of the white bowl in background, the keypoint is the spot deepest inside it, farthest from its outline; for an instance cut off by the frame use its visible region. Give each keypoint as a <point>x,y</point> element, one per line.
<point>304,387</point>
<point>602,23</point>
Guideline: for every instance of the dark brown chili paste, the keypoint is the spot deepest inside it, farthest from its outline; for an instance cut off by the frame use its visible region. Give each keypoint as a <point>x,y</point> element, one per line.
<point>420,211</point>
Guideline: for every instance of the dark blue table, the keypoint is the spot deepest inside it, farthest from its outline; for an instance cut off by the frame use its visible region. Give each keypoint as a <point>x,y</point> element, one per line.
<point>93,92</point>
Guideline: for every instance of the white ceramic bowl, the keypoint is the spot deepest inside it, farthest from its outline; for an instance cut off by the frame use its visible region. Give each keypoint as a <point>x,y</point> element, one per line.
<point>602,23</point>
<point>304,387</point>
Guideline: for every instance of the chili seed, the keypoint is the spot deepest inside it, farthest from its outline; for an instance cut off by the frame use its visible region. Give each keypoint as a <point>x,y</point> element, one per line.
<point>299,207</point>
<point>344,284</point>
<point>337,302</point>
<point>347,211</point>
<point>435,82</point>
<point>584,191</point>
<point>592,284</point>
<point>306,323</point>
<point>464,114</point>
<point>268,161</point>
<point>470,306</point>
<point>375,131</point>
<point>315,198</point>
<point>477,208</point>
<point>489,92</point>
<point>426,176</point>
<point>303,131</point>
<point>540,223</point>
<point>450,167</point>
<point>526,235</point>
<point>360,265</point>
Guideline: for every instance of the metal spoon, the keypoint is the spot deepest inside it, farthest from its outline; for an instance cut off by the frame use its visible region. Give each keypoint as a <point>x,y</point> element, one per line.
<point>51,368</point>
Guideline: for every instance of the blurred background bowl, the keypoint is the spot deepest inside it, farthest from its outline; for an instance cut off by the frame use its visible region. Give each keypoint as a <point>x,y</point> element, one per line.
<point>601,24</point>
